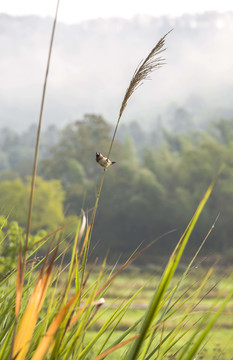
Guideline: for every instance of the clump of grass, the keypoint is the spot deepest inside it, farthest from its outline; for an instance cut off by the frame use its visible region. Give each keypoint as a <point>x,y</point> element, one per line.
<point>62,307</point>
<point>42,319</point>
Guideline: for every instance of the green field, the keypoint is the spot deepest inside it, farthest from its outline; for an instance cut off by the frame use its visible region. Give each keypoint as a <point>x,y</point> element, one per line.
<point>219,343</point>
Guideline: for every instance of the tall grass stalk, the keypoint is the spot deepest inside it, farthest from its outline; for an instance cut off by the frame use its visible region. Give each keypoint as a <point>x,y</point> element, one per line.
<point>21,267</point>
<point>152,62</point>
<point>39,133</point>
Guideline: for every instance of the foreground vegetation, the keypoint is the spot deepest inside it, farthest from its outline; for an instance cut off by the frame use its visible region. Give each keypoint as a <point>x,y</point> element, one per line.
<point>218,344</point>
<point>77,313</point>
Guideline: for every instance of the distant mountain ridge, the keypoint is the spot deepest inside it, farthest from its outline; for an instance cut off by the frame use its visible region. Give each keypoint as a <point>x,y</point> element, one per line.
<point>92,63</point>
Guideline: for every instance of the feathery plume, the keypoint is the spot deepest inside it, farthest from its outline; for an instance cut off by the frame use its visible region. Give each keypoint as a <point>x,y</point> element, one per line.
<point>142,72</point>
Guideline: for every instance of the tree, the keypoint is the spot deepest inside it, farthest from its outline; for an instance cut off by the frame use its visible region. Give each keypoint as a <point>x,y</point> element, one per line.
<point>79,143</point>
<point>48,203</point>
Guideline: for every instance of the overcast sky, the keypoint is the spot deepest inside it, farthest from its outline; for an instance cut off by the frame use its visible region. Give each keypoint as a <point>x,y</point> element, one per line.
<point>73,11</point>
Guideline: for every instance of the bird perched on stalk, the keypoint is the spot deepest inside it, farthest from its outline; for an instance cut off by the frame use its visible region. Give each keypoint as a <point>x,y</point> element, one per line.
<point>103,161</point>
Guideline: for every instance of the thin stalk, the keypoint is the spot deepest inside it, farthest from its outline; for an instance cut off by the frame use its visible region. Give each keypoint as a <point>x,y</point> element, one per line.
<point>38,134</point>
<point>142,72</point>
<point>35,163</point>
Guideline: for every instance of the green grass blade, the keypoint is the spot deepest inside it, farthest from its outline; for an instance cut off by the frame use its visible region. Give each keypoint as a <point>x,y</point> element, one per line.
<point>167,276</point>
<point>189,350</point>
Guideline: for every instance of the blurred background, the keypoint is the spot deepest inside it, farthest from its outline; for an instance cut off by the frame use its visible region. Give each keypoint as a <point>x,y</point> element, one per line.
<point>175,134</point>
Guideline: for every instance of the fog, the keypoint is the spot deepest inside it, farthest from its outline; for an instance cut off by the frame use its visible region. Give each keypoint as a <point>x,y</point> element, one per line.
<point>92,64</point>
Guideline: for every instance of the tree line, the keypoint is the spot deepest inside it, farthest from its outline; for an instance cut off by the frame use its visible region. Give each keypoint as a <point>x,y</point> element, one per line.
<point>150,191</point>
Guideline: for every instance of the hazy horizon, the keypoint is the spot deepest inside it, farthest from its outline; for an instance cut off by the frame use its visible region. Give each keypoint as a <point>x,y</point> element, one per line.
<point>93,62</point>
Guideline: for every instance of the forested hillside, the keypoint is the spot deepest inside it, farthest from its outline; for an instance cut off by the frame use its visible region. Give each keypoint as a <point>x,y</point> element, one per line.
<point>151,189</point>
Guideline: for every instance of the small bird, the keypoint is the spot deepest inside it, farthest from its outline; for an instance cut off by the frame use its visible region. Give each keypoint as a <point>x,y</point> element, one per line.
<point>103,161</point>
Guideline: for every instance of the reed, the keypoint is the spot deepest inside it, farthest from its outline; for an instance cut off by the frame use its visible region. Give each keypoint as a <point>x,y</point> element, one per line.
<point>151,63</point>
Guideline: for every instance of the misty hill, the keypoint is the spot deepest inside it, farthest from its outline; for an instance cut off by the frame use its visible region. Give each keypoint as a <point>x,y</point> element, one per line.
<point>92,63</point>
